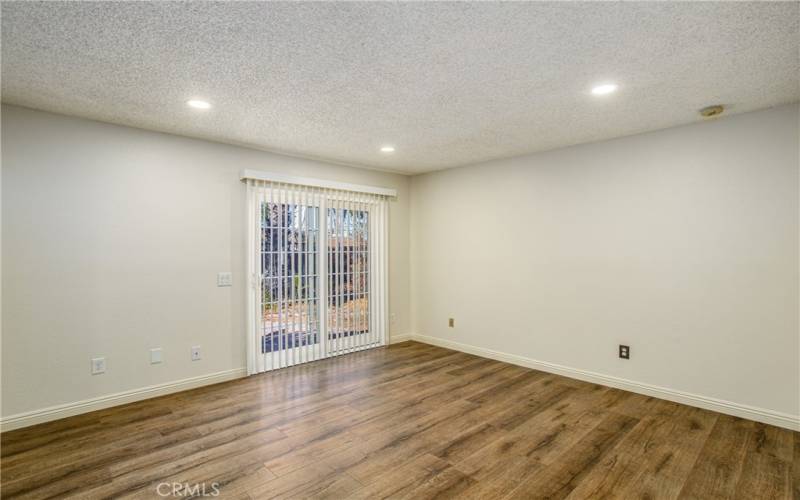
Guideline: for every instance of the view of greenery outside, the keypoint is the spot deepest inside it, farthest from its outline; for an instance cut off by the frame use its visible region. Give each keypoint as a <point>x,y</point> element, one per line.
<point>290,274</point>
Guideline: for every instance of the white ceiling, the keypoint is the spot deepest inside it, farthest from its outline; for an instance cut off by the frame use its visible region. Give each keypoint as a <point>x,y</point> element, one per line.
<point>447,84</point>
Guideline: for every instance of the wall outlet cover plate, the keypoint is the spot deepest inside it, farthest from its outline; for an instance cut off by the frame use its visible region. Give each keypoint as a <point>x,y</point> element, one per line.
<point>224,279</point>
<point>98,366</point>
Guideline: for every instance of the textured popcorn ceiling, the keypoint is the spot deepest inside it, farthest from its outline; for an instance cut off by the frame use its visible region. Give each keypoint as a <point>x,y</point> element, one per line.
<point>446,83</point>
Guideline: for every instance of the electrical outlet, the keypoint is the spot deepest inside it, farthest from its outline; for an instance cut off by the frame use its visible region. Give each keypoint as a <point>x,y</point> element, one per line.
<point>224,279</point>
<point>451,322</point>
<point>624,351</point>
<point>156,356</point>
<point>196,353</point>
<point>98,366</point>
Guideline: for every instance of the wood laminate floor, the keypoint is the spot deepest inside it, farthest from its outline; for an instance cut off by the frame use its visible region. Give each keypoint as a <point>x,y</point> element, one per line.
<point>406,421</point>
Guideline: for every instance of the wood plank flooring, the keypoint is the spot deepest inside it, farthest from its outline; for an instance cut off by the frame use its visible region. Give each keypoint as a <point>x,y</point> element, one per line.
<point>405,421</point>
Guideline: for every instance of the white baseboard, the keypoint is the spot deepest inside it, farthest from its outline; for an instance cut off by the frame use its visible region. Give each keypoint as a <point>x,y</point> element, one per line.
<point>66,410</point>
<point>34,417</point>
<point>69,409</point>
<point>403,337</point>
<point>739,410</point>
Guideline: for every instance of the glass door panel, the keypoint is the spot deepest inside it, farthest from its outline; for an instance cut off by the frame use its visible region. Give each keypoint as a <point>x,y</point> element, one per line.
<point>348,279</point>
<point>290,278</point>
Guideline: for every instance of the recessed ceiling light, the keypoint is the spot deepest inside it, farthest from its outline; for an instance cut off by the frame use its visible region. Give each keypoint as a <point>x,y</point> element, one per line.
<point>604,89</point>
<point>195,103</point>
<point>387,149</point>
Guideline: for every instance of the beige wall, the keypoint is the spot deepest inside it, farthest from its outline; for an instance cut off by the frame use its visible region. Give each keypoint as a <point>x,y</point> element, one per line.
<point>681,243</point>
<point>112,238</point>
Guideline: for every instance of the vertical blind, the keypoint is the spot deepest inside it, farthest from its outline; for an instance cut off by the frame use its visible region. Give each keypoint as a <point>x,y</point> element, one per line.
<point>317,261</point>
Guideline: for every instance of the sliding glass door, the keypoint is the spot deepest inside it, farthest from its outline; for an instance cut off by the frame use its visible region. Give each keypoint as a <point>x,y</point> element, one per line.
<point>319,275</point>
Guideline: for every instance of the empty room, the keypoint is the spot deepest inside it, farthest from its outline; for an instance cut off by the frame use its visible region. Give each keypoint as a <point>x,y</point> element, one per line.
<point>407,250</point>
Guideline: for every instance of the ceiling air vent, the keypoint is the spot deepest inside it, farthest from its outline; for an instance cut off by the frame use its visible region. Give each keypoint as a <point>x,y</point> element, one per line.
<point>711,111</point>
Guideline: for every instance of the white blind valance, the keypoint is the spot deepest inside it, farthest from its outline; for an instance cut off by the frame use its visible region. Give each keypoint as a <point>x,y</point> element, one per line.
<point>257,175</point>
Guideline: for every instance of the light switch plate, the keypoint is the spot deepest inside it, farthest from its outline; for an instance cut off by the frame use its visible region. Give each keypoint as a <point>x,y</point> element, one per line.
<point>98,366</point>
<point>156,356</point>
<point>224,279</point>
